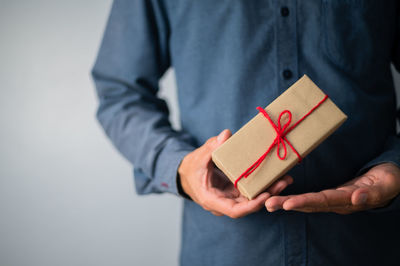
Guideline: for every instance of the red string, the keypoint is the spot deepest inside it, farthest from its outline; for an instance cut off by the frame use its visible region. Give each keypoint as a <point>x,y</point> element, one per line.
<point>280,139</point>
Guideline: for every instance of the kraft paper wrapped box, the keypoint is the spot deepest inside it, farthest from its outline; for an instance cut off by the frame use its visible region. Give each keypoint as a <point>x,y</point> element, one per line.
<point>319,116</point>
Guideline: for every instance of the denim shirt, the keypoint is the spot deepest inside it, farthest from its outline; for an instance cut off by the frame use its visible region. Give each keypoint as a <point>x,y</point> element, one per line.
<point>230,56</point>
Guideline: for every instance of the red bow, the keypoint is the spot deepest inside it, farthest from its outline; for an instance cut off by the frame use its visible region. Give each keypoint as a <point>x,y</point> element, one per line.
<point>280,139</point>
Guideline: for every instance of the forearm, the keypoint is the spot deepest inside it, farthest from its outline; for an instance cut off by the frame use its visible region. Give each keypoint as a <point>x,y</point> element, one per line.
<point>132,58</point>
<point>140,130</point>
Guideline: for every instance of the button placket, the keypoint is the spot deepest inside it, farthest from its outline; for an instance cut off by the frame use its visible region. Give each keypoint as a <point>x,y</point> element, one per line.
<point>287,44</point>
<point>294,224</point>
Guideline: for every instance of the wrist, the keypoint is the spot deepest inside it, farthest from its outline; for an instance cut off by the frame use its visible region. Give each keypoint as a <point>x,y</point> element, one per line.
<point>180,188</point>
<point>181,191</point>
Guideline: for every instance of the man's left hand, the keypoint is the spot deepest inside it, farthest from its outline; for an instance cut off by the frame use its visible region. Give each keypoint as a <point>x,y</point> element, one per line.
<point>374,189</point>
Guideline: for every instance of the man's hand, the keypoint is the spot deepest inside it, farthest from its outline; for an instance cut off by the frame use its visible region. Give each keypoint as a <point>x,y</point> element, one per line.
<point>210,188</point>
<point>372,190</point>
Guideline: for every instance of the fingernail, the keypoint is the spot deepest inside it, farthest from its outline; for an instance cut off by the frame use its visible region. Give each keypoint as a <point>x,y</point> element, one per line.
<point>280,189</point>
<point>363,198</point>
<point>273,208</point>
<point>219,138</point>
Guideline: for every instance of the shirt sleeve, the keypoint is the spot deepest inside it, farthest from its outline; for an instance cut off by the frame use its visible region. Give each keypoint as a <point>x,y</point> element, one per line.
<point>132,58</point>
<point>391,151</point>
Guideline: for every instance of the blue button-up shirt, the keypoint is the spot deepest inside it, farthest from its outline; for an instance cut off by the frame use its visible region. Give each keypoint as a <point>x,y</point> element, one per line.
<point>229,57</point>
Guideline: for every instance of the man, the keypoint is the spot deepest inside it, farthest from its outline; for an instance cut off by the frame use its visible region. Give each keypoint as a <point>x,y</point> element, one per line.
<point>229,57</point>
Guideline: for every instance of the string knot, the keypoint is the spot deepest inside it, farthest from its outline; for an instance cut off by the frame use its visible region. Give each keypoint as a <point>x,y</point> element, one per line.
<point>280,131</point>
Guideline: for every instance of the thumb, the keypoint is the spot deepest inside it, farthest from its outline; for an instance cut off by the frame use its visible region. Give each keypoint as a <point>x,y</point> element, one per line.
<point>223,136</point>
<point>214,142</point>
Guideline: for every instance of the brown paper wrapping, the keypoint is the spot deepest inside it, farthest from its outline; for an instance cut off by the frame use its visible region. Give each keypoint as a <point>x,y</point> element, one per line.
<point>253,139</point>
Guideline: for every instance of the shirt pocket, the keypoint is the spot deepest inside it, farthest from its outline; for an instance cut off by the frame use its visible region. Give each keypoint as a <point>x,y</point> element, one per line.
<point>354,34</point>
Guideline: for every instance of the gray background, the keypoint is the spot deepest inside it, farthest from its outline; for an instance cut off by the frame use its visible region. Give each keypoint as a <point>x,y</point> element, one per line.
<point>66,196</point>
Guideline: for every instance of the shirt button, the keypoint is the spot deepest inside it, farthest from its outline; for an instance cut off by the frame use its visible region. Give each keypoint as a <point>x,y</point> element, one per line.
<point>287,74</point>
<point>284,11</point>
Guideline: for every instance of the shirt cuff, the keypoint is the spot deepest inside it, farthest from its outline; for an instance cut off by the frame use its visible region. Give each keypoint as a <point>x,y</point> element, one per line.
<point>163,177</point>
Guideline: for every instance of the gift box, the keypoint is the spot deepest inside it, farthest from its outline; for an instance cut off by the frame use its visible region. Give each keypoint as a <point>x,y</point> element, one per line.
<point>278,137</point>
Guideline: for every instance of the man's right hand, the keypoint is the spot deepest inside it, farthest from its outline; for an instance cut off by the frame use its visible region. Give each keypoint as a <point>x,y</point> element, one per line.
<point>210,188</point>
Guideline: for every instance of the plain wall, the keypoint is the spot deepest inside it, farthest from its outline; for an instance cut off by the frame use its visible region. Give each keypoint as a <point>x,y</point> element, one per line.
<point>66,196</point>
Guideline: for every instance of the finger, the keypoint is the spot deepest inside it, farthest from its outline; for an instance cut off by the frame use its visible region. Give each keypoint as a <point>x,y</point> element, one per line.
<point>233,208</point>
<point>370,197</point>
<point>241,198</point>
<point>276,203</point>
<point>322,201</point>
<point>217,213</point>
<point>344,200</point>
<point>223,136</point>
<point>379,188</point>
<point>211,145</point>
<point>338,210</point>
<point>279,185</point>
<point>245,206</point>
<point>214,142</point>
<point>360,196</point>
